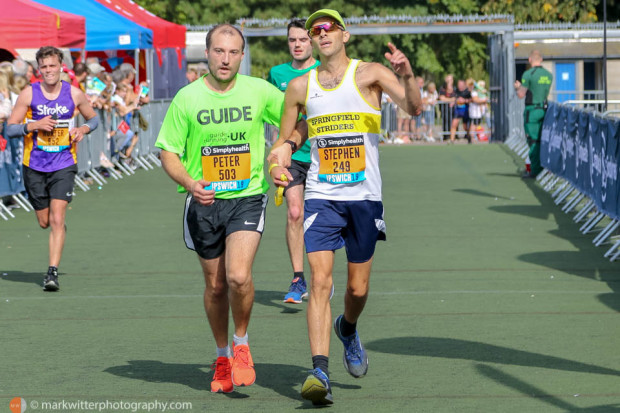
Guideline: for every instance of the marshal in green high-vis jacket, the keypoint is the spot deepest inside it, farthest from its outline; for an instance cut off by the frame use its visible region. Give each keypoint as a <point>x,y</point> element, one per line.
<point>537,81</point>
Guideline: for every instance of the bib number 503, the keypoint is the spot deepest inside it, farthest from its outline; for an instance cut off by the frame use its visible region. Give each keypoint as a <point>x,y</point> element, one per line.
<point>227,174</point>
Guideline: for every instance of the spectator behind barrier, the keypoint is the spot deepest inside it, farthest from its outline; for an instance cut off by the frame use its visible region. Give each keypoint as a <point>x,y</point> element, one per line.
<point>7,69</point>
<point>417,122</point>
<point>447,94</point>
<point>429,99</point>
<point>125,139</point>
<point>461,111</point>
<point>191,74</point>
<point>5,98</point>
<point>202,68</point>
<point>20,67</point>
<point>476,108</point>
<point>81,72</point>
<point>32,75</point>
<point>21,82</point>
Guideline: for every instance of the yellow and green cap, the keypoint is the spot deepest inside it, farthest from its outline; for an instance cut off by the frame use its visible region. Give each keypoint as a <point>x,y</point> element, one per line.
<point>325,13</point>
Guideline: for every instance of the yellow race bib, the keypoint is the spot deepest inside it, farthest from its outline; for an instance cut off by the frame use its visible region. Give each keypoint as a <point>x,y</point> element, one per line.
<point>56,140</point>
<point>227,168</point>
<point>342,159</point>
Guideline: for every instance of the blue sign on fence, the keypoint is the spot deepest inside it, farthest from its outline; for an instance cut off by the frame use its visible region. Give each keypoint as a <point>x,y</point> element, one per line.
<point>583,149</point>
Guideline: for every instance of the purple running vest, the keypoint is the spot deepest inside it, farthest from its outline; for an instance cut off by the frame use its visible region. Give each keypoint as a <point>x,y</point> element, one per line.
<point>63,108</point>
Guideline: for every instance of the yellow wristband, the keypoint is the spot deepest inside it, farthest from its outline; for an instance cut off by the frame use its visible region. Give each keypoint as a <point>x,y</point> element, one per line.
<point>273,165</point>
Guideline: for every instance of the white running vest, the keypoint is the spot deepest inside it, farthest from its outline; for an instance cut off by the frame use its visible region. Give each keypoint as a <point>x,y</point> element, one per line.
<point>344,131</point>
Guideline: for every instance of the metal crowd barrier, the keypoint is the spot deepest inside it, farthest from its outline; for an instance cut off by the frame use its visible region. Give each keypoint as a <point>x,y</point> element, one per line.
<point>590,209</point>
<point>516,140</point>
<point>96,147</point>
<point>93,151</point>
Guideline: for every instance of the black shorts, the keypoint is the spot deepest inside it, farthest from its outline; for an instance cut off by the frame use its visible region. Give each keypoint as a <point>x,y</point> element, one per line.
<point>44,186</point>
<point>205,228</point>
<point>475,121</point>
<point>299,170</point>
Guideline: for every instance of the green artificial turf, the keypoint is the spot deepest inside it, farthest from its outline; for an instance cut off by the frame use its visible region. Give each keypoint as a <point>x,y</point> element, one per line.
<point>485,298</point>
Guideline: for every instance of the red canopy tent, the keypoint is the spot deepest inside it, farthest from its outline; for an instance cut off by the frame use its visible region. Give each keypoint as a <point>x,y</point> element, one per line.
<point>29,25</point>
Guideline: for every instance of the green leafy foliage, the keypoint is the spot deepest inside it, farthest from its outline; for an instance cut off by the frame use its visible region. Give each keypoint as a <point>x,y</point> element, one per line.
<point>533,11</point>
<point>431,56</point>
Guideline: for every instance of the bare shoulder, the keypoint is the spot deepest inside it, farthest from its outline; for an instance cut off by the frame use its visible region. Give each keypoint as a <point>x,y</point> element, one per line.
<point>298,86</point>
<point>370,67</point>
<point>299,81</point>
<point>77,94</point>
<point>370,72</point>
<point>75,91</point>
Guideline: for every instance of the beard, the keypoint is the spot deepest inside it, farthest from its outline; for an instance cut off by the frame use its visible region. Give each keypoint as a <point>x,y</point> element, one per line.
<point>213,71</point>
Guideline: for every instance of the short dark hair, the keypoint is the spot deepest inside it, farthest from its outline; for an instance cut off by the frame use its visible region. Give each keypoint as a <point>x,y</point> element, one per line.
<point>48,51</point>
<point>299,23</point>
<point>79,69</point>
<point>226,28</point>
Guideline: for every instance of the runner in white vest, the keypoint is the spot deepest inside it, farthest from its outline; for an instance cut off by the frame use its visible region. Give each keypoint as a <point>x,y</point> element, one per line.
<point>342,101</point>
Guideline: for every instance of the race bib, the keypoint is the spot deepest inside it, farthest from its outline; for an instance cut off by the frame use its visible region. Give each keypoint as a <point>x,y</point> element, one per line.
<point>58,139</point>
<point>342,159</point>
<point>226,167</point>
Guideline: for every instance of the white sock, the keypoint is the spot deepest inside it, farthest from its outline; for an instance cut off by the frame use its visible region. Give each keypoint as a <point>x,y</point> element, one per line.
<point>223,352</point>
<point>240,340</point>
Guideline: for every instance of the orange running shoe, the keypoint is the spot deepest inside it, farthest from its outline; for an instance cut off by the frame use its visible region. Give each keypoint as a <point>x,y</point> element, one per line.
<point>243,373</point>
<point>222,381</point>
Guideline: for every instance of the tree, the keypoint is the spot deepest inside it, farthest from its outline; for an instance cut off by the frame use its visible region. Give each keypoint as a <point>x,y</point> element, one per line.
<point>534,11</point>
<point>432,56</point>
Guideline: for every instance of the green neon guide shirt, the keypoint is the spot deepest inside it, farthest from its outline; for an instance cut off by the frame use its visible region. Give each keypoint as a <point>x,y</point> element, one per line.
<point>221,136</point>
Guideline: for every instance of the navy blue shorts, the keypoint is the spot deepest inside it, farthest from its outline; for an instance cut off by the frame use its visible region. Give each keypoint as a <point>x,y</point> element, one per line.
<point>356,225</point>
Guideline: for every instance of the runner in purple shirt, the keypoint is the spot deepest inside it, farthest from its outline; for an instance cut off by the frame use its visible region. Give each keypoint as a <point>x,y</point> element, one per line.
<point>44,116</point>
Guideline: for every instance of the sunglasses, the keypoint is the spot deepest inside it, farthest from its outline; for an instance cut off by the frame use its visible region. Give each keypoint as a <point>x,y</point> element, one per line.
<point>328,27</point>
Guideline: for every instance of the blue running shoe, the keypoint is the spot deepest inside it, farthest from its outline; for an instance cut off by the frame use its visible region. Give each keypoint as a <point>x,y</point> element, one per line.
<point>296,291</point>
<point>355,358</point>
<point>316,388</point>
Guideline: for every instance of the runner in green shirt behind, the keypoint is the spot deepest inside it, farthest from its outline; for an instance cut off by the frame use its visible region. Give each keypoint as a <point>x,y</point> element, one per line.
<point>300,47</point>
<point>213,146</point>
<point>534,87</point>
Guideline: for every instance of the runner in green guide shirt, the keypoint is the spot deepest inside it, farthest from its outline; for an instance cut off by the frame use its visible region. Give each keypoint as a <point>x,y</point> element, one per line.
<point>213,147</point>
<point>199,118</point>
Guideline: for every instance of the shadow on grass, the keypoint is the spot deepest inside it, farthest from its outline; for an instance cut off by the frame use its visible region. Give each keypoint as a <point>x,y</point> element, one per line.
<point>586,260</point>
<point>531,391</point>
<point>283,379</point>
<point>23,277</point>
<point>190,375</point>
<point>475,192</point>
<point>481,352</point>
<point>532,211</point>
<point>596,266</point>
<point>274,299</point>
